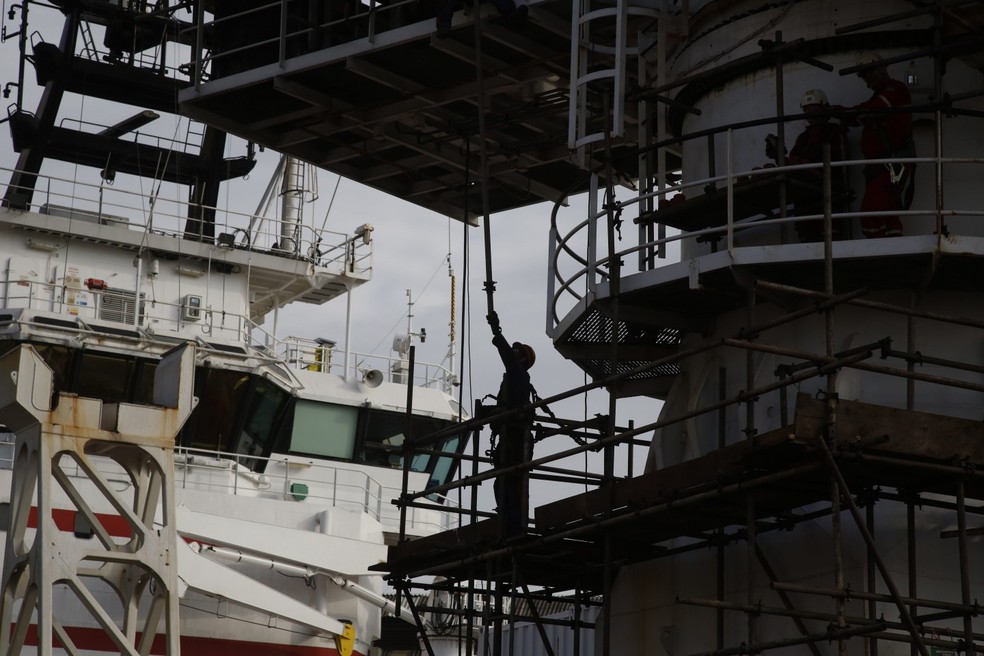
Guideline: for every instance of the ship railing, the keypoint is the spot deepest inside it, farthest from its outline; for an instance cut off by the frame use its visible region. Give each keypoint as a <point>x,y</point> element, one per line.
<point>164,322</point>
<point>8,447</point>
<point>153,58</point>
<point>135,136</point>
<point>580,260</point>
<point>300,479</point>
<point>284,477</point>
<point>247,41</point>
<point>148,322</point>
<point>326,356</point>
<point>156,214</point>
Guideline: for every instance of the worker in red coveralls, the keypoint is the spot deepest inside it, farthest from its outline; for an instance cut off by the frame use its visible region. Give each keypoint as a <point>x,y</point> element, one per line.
<point>888,187</point>
<point>808,149</point>
<point>515,438</point>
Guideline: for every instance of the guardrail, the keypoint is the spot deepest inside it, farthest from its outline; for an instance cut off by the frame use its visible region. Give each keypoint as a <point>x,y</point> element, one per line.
<point>297,353</point>
<point>284,36</point>
<point>320,483</point>
<point>577,266</point>
<point>327,357</point>
<point>157,214</point>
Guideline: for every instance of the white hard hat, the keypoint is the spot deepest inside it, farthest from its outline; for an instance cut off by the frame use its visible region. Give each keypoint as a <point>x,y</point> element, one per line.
<point>814,97</point>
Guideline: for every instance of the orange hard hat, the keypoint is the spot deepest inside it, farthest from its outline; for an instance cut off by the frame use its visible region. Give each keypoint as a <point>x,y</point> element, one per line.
<point>526,351</point>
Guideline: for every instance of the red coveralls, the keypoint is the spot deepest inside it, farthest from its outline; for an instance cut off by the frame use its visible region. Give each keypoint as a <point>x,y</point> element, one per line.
<point>882,136</point>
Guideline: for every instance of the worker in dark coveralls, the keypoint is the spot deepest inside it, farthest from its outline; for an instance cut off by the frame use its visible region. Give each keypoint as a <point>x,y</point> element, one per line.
<point>808,149</point>
<point>515,439</point>
<point>888,187</point>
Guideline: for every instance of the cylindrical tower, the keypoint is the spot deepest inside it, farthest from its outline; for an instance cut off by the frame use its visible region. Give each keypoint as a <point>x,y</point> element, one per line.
<point>850,350</point>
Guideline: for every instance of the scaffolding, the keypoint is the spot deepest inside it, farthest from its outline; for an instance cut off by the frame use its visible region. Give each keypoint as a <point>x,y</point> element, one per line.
<point>331,87</point>
<point>841,461</point>
<point>834,457</point>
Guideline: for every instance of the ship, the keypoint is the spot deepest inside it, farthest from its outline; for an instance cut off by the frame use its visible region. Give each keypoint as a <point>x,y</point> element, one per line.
<point>809,331</point>
<point>178,476</point>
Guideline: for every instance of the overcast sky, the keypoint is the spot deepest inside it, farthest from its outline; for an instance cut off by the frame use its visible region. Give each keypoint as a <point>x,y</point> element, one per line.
<point>411,247</point>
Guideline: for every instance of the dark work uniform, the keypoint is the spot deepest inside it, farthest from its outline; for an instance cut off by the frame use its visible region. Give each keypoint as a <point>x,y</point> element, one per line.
<point>515,441</point>
<point>808,149</point>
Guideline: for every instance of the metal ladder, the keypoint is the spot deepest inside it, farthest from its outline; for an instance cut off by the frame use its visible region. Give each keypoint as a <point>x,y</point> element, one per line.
<point>599,58</point>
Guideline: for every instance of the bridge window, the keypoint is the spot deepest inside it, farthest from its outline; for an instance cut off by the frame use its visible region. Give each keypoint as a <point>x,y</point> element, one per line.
<point>382,444</point>
<point>221,394</point>
<point>324,429</point>
<point>103,377</point>
<point>265,404</point>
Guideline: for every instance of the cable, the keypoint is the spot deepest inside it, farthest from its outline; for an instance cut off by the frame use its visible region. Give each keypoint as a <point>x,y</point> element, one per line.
<point>440,266</point>
<point>331,202</point>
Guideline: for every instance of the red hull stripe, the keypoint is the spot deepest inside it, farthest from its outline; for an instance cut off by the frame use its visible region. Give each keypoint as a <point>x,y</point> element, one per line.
<point>89,639</point>
<point>65,521</point>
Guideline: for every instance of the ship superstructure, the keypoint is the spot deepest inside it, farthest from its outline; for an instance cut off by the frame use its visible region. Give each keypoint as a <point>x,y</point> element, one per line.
<point>177,476</point>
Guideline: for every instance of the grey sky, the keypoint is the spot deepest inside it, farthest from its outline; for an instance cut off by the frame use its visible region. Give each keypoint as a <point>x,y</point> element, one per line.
<point>410,245</point>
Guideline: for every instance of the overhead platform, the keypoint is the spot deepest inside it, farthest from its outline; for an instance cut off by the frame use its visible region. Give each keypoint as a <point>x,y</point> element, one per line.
<point>380,99</point>
<point>785,470</point>
<point>658,308</point>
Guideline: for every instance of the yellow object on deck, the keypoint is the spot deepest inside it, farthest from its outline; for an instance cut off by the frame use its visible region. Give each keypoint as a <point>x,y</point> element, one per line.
<point>345,642</point>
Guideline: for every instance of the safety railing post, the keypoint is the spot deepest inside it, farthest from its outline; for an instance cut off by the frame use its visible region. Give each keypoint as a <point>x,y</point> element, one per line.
<point>731,194</point>
<point>199,42</point>
<point>552,273</point>
<point>592,283</point>
<point>938,170</point>
<point>371,35</point>
<point>283,32</point>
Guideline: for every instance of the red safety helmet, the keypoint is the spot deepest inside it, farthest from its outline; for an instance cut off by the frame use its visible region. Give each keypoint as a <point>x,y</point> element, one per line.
<point>526,352</point>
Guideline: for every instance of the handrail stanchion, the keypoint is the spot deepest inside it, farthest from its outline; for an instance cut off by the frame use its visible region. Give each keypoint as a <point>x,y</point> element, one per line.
<point>591,282</point>
<point>348,334</point>
<point>287,478</point>
<point>283,33</point>
<point>552,272</point>
<point>199,43</point>
<point>939,174</point>
<point>731,195</point>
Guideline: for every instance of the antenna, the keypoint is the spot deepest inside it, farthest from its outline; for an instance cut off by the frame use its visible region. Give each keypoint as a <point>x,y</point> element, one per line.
<point>402,343</point>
